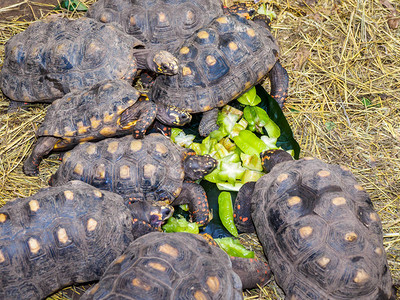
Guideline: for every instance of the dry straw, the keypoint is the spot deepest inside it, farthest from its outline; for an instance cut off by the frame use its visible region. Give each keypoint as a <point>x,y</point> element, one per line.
<point>344,66</point>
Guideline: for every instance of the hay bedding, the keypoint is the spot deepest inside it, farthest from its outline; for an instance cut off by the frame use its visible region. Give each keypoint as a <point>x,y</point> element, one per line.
<point>343,61</point>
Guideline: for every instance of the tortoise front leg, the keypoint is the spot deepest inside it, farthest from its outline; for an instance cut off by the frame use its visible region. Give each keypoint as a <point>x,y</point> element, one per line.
<point>208,122</point>
<point>252,272</point>
<point>194,195</point>
<point>139,117</point>
<point>242,209</point>
<point>279,83</point>
<point>42,147</point>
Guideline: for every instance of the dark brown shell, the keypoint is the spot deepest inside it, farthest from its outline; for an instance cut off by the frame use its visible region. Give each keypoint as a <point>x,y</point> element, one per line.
<point>56,56</point>
<point>169,266</point>
<point>88,115</point>
<point>150,168</point>
<point>160,24</point>
<point>58,237</point>
<point>218,63</point>
<point>320,233</point>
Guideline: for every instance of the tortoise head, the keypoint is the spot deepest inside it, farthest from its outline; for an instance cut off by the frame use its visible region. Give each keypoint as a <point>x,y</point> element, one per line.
<point>197,166</point>
<point>270,158</point>
<point>148,216</point>
<point>172,115</point>
<point>164,62</point>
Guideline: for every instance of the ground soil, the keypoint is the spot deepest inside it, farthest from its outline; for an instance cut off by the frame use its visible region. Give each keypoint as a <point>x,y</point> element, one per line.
<point>26,10</point>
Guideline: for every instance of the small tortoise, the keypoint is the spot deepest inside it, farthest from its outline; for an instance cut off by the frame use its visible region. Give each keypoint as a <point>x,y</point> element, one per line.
<point>217,64</point>
<point>107,109</point>
<point>151,169</point>
<point>56,56</point>
<point>318,228</point>
<point>177,266</point>
<point>66,235</point>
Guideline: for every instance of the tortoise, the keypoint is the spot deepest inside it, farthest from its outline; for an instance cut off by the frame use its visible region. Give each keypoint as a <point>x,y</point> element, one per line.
<point>217,64</point>
<point>318,229</point>
<point>108,108</point>
<point>56,56</point>
<point>151,169</point>
<point>65,235</point>
<point>177,266</point>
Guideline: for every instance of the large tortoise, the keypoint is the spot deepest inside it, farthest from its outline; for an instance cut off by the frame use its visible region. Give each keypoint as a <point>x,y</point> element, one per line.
<point>151,169</point>
<point>217,64</point>
<point>107,109</point>
<point>56,56</point>
<point>318,228</point>
<point>177,266</point>
<point>66,235</point>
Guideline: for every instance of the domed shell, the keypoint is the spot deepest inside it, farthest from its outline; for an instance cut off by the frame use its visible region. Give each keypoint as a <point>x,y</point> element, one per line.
<point>218,63</point>
<point>169,266</point>
<point>56,56</point>
<point>320,233</point>
<point>160,24</point>
<point>88,115</point>
<point>60,236</point>
<point>150,168</point>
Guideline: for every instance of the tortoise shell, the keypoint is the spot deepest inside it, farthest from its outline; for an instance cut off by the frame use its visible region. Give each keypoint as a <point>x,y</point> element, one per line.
<point>169,266</point>
<point>89,115</point>
<point>161,24</point>
<point>60,236</point>
<point>148,169</point>
<point>56,56</point>
<point>217,64</point>
<point>320,233</point>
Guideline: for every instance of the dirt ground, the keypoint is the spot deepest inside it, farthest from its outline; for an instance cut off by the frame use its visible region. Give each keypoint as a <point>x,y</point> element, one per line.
<point>26,10</point>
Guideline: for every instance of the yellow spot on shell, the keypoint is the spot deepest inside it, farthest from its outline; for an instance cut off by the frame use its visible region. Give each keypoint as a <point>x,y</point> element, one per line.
<point>94,289</point>
<point>203,34</point>
<point>169,250</point>
<point>132,20</point>
<point>247,85</point>
<point>81,128</point>
<point>250,32</point>
<point>46,132</point>
<point>97,193</point>
<point>161,148</point>
<point>124,172</point>
<point>121,109</point>
<point>338,201</point>
<point>100,172</point>
<point>69,195</point>
<point>233,46</point>
<point>66,156</point>
<point>68,131</point>
<point>308,158</point>
<point>94,123</point>
<point>379,251</point>
<point>374,216</point>
<point>305,231</point>
<point>108,117</point>
<point>87,138</point>
<point>324,173</point>
<point>157,266</point>
<point>294,200</point>
<point>182,175</point>
<point>222,20</point>
<point>91,224</point>
<point>34,205</point>
<point>62,235</point>
<point>120,259</point>
<point>358,187</point>
<point>106,86</point>
<point>361,276</point>
<point>198,295</point>
<point>210,60</point>
<point>213,284</point>
<point>78,169</point>
<point>136,145</point>
<point>34,245</point>
<point>107,131</point>
<point>323,261</point>
<point>184,50</point>
<point>350,236</point>
<point>149,170</point>
<point>282,177</point>
<point>186,71</point>
<point>91,149</point>
<point>162,17</point>
<point>3,218</point>
<point>2,258</point>
<point>140,284</point>
<point>112,147</point>
<point>344,168</point>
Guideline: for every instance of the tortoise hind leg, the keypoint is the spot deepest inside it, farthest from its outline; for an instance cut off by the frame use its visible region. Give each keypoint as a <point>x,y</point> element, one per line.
<point>252,272</point>
<point>208,122</point>
<point>242,209</point>
<point>279,83</point>
<point>194,195</point>
<point>42,147</point>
